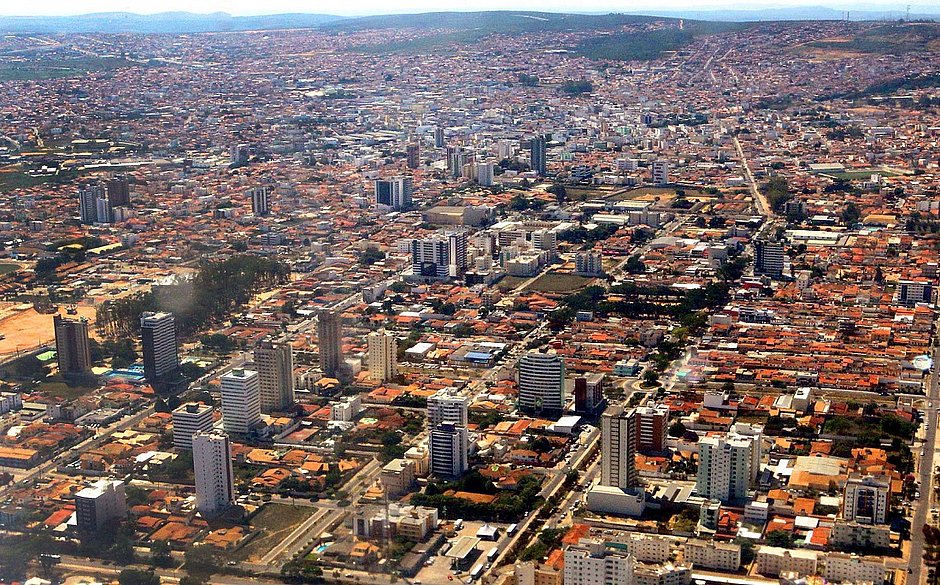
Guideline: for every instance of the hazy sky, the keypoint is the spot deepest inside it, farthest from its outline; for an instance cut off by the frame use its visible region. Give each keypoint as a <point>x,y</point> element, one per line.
<point>241,7</point>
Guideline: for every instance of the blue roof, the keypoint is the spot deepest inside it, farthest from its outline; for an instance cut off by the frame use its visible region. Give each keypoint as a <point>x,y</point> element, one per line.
<point>479,355</point>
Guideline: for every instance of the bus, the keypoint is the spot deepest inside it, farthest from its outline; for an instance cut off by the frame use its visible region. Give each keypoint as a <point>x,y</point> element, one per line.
<point>476,571</point>
<point>458,524</point>
<point>512,529</point>
<point>491,555</point>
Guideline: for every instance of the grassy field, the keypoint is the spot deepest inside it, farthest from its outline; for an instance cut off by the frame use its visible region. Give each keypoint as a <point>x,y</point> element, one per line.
<point>54,68</point>
<point>8,268</point>
<point>14,178</point>
<point>860,175</point>
<point>508,283</point>
<point>554,282</point>
<point>63,390</point>
<point>275,521</point>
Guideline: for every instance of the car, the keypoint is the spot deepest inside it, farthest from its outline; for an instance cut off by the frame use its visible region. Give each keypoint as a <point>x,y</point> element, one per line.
<point>450,577</point>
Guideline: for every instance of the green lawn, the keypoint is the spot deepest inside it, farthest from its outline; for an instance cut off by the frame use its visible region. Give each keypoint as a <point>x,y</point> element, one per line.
<point>553,282</point>
<point>8,268</point>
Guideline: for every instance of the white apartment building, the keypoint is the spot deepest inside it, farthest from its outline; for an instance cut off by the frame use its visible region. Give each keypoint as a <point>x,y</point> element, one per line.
<point>241,401</point>
<point>188,420</point>
<point>212,463</point>
<point>591,563</point>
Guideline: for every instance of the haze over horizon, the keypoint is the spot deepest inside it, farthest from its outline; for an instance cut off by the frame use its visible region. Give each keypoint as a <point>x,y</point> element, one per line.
<point>372,7</point>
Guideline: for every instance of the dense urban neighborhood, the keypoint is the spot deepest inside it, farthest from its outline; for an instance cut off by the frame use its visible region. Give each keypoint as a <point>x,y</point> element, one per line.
<point>502,298</point>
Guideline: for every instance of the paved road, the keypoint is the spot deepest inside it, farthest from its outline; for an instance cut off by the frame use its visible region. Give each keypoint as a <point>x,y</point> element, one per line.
<point>759,200</point>
<point>925,476</point>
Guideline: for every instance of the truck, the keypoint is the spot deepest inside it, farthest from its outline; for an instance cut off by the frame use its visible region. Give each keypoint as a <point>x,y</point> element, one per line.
<point>476,571</point>
<point>491,555</point>
<point>512,529</point>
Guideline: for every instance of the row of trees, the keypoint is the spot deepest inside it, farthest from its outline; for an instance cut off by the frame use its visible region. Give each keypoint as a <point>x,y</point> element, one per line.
<point>216,291</point>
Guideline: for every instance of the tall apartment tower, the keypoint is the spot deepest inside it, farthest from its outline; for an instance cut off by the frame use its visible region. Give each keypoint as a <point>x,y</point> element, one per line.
<point>241,401</point>
<point>591,562</point>
<point>768,258</point>
<point>537,154</point>
<point>215,481</point>
<point>618,447</point>
<point>158,337</point>
<point>97,504</point>
<point>274,360</point>
<point>330,340</point>
<point>260,205</point>
<point>189,419</point>
<point>71,344</point>
<point>660,172</point>
<point>413,155</point>
<point>440,256</point>
<point>394,192</point>
<point>447,406</point>
<point>88,203</point>
<point>541,383</point>
<point>383,356</point>
<point>449,447</point>
<point>118,190</point>
<point>724,469</point>
<point>438,137</point>
<point>866,499</point>
<point>652,428</point>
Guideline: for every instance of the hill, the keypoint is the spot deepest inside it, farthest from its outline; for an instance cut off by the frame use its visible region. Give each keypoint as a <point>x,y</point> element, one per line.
<point>166,22</point>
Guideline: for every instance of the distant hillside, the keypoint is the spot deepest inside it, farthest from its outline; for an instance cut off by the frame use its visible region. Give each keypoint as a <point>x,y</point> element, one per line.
<point>490,22</point>
<point>888,39</point>
<point>794,13</point>
<point>166,22</point>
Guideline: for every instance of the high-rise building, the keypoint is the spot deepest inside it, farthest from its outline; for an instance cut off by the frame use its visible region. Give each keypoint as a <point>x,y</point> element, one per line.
<point>88,203</point>
<point>483,173</point>
<point>537,154</point>
<point>724,469</point>
<point>449,445</point>
<point>215,481</point>
<point>912,292</point>
<point>413,155</point>
<point>652,428</point>
<point>588,392</point>
<point>541,383</point>
<point>440,256</point>
<point>239,154</point>
<point>592,562</point>
<point>618,448</point>
<point>383,356</point>
<point>260,204</point>
<point>71,344</point>
<point>447,406</point>
<point>330,342</point>
<point>589,263</point>
<point>866,499</point>
<point>438,137</point>
<point>104,210</point>
<point>660,172</point>
<point>119,191</point>
<point>241,401</point>
<point>274,360</point>
<point>189,419</point>
<point>158,337</point>
<point>99,503</point>
<point>768,258</point>
<point>394,192</point>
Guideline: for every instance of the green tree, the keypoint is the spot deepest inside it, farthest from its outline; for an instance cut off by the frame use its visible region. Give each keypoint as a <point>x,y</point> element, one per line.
<point>138,577</point>
<point>202,560</point>
<point>677,429</point>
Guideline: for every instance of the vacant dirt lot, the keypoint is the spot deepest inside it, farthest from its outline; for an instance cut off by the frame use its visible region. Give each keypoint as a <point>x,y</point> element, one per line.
<point>25,329</point>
